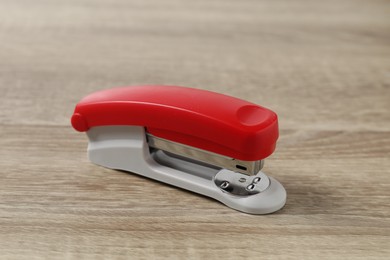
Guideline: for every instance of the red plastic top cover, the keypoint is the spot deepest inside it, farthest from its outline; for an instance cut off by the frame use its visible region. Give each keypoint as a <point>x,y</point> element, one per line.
<point>199,118</point>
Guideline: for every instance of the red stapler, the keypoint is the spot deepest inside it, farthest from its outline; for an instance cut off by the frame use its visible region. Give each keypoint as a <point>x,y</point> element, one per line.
<point>194,139</point>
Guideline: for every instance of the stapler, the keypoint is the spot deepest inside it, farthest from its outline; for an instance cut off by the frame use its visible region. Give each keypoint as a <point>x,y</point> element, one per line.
<point>198,140</point>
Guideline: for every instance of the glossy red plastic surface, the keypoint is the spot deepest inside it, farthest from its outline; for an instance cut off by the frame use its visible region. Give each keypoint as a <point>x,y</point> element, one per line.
<point>199,118</point>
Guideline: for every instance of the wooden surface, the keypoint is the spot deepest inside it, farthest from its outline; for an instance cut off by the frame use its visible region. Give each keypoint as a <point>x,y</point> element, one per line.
<point>323,66</point>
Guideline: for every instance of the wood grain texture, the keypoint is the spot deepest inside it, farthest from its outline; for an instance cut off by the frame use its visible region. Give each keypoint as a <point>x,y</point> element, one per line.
<point>323,66</point>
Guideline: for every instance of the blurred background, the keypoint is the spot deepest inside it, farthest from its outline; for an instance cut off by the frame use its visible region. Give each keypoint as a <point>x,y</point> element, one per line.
<point>322,66</point>
<point>333,55</point>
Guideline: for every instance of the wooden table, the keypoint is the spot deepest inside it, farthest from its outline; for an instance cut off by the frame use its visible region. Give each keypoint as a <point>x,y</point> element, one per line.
<point>323,66</point>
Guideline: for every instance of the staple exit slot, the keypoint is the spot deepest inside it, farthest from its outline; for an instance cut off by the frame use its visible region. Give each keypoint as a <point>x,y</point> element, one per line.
<point>241,167</point>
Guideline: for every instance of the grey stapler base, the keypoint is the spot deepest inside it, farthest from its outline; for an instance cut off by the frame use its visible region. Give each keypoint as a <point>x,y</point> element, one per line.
<point>125,148</point>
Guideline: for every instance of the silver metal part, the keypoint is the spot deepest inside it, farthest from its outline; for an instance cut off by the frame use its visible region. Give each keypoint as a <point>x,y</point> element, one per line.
<point>224,185</point>
<point>256,180</point>
<point>246,167</point>
<point>233,183</point>
<point>250,187</point>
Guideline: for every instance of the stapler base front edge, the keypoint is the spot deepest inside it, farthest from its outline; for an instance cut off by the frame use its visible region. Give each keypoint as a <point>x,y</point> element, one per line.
<point>126,148</point>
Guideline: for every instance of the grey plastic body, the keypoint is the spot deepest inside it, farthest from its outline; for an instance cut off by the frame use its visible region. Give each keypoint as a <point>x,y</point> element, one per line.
<point>125,148</point>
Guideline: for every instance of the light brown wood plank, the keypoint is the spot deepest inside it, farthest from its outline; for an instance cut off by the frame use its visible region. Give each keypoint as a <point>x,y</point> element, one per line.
<point>63,205</point>
<point>323,66</point>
